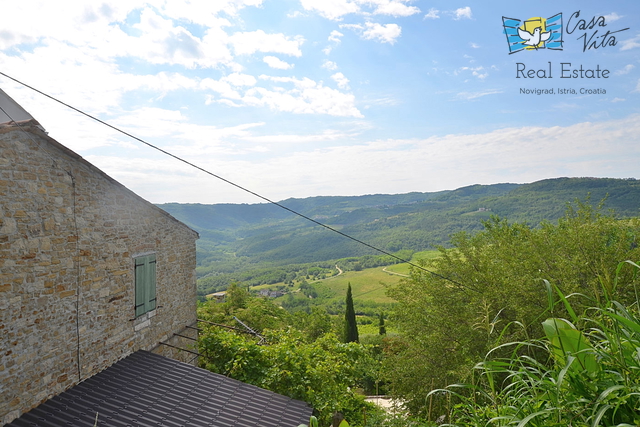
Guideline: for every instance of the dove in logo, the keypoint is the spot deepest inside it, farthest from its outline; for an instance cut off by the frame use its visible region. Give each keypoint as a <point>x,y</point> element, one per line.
<point>533,33</point>
<point>533,39</point>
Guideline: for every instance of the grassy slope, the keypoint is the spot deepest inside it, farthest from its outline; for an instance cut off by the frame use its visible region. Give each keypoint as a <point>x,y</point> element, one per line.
<point>368,285</point>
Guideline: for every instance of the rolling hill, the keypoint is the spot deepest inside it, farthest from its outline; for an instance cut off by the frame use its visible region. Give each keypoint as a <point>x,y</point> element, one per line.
<point>415,221</point>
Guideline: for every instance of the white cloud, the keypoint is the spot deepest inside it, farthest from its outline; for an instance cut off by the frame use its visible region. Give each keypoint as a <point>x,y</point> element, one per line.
<point>337,9</point>
<point>223,88</point>
<point>392,7</point>
<point>390,166</point>
<point>388,101</point>
<point>163,43</point>
<point>630,43</point>
<point>30,21</point>
<point>383,33</point>
<point>330,65</point>
<point>341,80</point>
<point>462,13</point>
<point>479,72</point>
<point>286,94</point>
<point>474,45</point>
<point>331,9</point>
<point>614,100</point>
<point>475,95</point>
<point>96,30</point>
<point>247,43</point>
<point>335,36</point>
<point>354,27</point>
<point>625,70</point>
<point>637,89</point>
<point>305,97</point>
<point>373,31</point>
<point>279,139</point>
<point>611,17</point>
<point>238,79</point>
<point>277,63</point>
<point>203,12</point>
<point>432,14</point>
<point>86,81</point>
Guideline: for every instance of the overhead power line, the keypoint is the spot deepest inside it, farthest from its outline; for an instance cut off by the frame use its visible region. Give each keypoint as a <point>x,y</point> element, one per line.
<point>382,251</point>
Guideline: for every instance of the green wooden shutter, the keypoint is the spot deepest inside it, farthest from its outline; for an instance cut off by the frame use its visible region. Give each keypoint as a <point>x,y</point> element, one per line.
<point>150,303</point>
<point>145,272</point>
<point>139,262</point>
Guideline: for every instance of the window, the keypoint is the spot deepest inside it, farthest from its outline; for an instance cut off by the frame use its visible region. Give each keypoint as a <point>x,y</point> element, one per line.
<point>145,284</point>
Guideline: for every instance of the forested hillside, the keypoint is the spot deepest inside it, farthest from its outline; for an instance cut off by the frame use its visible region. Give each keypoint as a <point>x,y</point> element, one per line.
<point>238,238</point>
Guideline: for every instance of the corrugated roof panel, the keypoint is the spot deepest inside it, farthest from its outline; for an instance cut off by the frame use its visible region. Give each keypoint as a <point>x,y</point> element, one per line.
<point>146,389</point>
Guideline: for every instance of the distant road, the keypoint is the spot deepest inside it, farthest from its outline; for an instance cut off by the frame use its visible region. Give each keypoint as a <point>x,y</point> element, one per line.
<point>393,272</point>
<point>329,278</point>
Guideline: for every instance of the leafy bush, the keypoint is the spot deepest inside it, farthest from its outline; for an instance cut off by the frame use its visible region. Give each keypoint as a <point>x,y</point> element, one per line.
<point>586,373</point>
<point>323,373</point>
<point>492,279</point>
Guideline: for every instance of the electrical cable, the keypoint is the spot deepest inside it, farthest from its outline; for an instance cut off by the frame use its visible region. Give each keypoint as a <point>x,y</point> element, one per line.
<point>233,183</point>
<point>75,223</point>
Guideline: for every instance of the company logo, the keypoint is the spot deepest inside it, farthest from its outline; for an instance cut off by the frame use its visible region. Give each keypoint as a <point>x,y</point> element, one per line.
<point>533,33</point>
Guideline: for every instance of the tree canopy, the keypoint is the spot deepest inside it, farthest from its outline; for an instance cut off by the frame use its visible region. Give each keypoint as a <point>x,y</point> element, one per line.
<point>489,288</point>
<point>298,355</point>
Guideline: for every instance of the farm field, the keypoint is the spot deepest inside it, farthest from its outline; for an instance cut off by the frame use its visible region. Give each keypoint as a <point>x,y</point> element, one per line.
<point>405,268</point>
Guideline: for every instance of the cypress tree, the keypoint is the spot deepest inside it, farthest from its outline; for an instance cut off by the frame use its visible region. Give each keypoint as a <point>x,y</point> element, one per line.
<point>382,330</point>
<point>351,328</point>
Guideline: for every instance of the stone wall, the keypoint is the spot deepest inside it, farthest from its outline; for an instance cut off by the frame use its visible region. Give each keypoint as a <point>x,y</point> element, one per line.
<point>68,238</point>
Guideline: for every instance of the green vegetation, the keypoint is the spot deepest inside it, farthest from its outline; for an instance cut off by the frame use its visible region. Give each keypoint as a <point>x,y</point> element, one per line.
<point>350,325</point>
<point>494,293</point>
<point>514,313</point>
<point>262,244</point>
<point>237,238</point>
<point>290,275</point>
<point>584,372</point>
<point>298,355</point>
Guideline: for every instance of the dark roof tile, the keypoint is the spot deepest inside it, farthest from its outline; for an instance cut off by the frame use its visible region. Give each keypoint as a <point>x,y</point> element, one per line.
<point>146,389</point>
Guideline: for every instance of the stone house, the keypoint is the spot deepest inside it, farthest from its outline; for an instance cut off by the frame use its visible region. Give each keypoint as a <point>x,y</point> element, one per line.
<point>98,301</point>
<point>89,271</point>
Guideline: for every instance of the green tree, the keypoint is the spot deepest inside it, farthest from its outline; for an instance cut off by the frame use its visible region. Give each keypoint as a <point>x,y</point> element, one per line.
<point>381,328</point>
<point>257,313</point>
<point>314,324</point>
<point>351,327</point>
<point>324,373</point>
<point>236,296</point>
<point>493,280</point>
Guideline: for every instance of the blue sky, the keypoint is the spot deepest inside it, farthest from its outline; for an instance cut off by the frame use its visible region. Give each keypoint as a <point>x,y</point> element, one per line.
<point>336,97</point>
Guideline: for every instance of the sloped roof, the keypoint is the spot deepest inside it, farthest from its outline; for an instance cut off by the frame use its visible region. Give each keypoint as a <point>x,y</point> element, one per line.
<point>11,111</point>
<point>146,389</point>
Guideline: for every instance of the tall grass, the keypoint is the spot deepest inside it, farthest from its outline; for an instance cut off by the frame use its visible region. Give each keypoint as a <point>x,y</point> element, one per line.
<point>584,372</point>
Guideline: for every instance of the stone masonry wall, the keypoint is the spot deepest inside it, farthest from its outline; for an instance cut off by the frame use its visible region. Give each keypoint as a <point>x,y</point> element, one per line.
<point>68,238</point>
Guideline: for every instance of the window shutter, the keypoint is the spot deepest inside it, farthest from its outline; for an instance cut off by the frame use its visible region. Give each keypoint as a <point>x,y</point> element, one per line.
<point>150,303</point>
<point>145,272</point>
<point>139,262</point>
